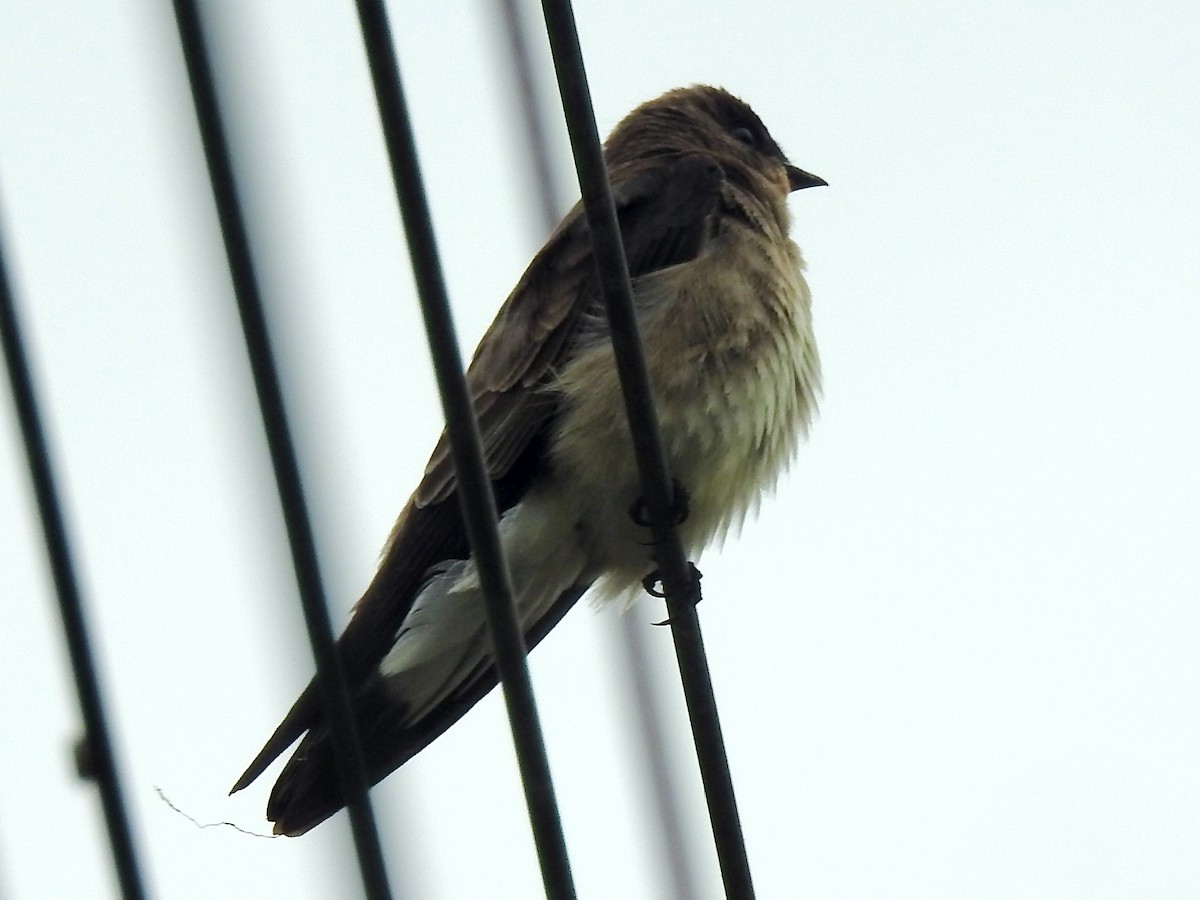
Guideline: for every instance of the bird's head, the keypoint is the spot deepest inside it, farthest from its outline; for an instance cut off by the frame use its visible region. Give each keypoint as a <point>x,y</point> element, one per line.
<point>708,120</point>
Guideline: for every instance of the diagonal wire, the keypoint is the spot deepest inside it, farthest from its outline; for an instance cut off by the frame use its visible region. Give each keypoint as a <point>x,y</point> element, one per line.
<point>679,580</point>
<point>542,161</point>
<point>475,488</point>
<point>641,687</point>
<point>347,750</point>
<point>97,744</point>
<point>660,779</point>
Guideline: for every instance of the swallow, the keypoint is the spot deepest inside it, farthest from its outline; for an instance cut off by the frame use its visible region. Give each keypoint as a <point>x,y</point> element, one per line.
<point>701,191</point>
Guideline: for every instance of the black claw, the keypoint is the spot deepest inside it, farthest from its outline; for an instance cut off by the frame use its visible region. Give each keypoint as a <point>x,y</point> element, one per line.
<point>681,506</point>
<point>639,513</point>
<point>651,582</point>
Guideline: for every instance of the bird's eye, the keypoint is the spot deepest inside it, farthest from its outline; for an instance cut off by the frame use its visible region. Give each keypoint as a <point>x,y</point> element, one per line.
<point>744,135</point>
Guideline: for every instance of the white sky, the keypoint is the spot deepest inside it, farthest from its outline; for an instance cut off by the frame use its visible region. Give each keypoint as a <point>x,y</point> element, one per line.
<point>956,656</point>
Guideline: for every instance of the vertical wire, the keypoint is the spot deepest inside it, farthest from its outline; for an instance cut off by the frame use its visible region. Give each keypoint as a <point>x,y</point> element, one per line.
<point>646,700</point>
<point>331,680</point>
<point>474,485</point>
<point>541,158</point>
<point>680,582</point>
<point>97,743</point>
<point>628,637</point>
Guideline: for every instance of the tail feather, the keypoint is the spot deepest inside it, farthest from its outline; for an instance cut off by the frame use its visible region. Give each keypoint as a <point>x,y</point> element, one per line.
<point>300,718</point>
<point>309,789</point>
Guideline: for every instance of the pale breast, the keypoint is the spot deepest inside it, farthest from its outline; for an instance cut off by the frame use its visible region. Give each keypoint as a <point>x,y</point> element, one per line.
<point>735,371</point>
<point>733,416</point>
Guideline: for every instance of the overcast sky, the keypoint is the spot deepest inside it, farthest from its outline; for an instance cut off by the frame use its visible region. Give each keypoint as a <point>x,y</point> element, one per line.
<point>957,654</point>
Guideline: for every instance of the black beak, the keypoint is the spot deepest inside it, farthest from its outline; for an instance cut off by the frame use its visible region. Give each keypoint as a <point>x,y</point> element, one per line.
<point>799,179</point>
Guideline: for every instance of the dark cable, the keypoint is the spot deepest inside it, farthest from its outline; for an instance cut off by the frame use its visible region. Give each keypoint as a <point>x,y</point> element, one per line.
<point>644,695</point>
<point>642,692</point>
<point>347,750</point>
<point>102,763</point>
<point>679,580</point>
<point>474,485</point>
<point>541,158</point>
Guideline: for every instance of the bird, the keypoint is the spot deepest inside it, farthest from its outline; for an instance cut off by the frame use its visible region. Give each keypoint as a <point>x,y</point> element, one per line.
<point>701,192</point>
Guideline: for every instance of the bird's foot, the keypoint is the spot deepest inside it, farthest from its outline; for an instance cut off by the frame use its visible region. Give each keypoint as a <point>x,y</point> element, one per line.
<point>680,507</point>
<point>652,581</point>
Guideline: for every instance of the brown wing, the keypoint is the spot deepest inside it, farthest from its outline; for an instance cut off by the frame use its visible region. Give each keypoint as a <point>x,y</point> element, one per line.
<point>664,207</point>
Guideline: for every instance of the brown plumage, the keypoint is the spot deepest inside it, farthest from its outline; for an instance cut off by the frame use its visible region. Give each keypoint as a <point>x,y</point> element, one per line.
<point>701,193</point>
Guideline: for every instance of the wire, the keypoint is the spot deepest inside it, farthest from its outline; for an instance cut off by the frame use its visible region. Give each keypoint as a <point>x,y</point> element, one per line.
<point>541,158</point>
<point>475,488</point>
<point>347,750</point>
<point>679,579</point>
<point>628,638</point>
<point>101,763</point>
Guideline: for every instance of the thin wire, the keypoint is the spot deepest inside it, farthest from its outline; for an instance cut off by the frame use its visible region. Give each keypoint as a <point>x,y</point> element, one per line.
<point>102,763</point>
<point>347,750</point>
<point>680,583</point>
<point>660,778</point>
<point>542,161</point>
<point>628,637</point>
<point>474,485</point>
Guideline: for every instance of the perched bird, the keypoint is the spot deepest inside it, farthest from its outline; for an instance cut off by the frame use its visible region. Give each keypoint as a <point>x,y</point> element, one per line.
<point>701,191</point>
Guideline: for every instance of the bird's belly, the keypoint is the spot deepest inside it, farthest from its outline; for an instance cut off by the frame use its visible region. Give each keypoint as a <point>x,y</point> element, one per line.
<point>732,407</point>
